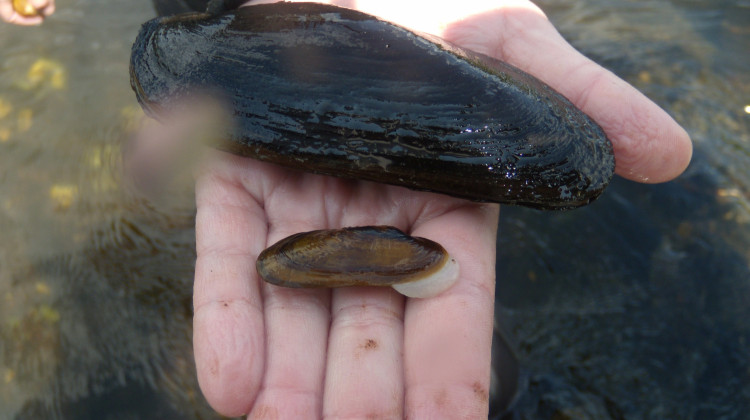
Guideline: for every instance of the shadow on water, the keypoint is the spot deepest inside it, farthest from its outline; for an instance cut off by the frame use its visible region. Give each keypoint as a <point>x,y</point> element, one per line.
<point>633,307</point>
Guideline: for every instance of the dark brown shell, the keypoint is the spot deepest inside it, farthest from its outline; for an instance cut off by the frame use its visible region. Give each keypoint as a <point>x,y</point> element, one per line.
<point>356,256</point>
<point>338,92</point>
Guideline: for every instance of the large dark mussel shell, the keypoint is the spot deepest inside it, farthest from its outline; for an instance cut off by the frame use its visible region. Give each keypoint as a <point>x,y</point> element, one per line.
<point>338,92</point>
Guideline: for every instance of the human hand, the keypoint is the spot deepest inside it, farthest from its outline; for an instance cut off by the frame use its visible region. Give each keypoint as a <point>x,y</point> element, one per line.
<point>351,352</point>
<point>359,352</point>
<point>43,9</point>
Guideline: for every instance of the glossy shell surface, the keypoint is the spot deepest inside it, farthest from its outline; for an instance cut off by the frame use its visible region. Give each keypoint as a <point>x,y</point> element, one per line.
<point>356,256</point>
<point>338,92</point>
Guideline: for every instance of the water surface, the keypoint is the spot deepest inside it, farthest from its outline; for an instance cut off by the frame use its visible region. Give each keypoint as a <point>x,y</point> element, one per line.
<point>638,305</point>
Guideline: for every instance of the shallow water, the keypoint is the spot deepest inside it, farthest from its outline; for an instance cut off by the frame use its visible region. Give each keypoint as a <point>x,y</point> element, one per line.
<point>638,306</point>
<point>633,307</point>
<point>95,286</point>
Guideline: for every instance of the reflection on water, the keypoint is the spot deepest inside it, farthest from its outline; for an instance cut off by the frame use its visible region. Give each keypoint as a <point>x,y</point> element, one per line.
<point>634,307</point>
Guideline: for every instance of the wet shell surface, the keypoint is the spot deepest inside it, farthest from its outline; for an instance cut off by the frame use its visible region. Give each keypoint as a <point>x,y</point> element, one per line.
<point>334,91</point>
<point>359,256</point>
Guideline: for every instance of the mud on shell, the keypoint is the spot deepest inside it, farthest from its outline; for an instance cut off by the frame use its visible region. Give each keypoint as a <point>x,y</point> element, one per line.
<point>334,91</point>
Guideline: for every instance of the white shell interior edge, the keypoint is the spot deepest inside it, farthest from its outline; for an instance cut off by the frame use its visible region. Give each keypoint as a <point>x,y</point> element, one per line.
<point>431,285</point>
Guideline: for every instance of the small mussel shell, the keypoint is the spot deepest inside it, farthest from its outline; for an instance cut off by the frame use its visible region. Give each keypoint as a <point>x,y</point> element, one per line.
<point>359,256</point>
<point>334,91</point>
<point>25,8</point>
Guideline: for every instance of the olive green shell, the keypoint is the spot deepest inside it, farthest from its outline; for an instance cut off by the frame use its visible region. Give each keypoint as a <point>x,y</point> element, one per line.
<point>356,256</point>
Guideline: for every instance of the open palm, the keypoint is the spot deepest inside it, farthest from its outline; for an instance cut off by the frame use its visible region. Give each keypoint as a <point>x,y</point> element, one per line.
<point>369,352</point>
<point>349,352</point>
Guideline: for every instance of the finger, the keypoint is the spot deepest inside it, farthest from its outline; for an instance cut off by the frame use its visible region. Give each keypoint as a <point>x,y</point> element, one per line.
<point>296,341</point>
<point>649,145</point>
<point>228,330</point>
<point>448,338</point>
<point>364,375</point>
<point>9,15</point>
<point>44,7</point>
<point>6,10</point>
<point>297,323</point>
